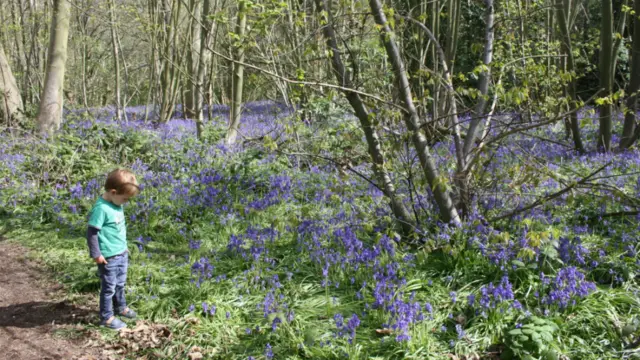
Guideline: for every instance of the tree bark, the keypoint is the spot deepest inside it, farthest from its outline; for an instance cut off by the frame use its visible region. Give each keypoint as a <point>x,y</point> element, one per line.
<point>116,59</point>
<point>203,60</point>
<point>620,30</point>
<point>374,147</point>
<point>452,34</point>
<point>238,77</point>
<point>483,84</point>
<point>435,88</point>
<point>11,106</point>
<point>567,50</point>
<point>193,57</point>
<point>168,57</point>
<point>630,125</point>
<point>438,184</point>
<point>51,101</point>
<point>21,46</point>
<point>606,77</point>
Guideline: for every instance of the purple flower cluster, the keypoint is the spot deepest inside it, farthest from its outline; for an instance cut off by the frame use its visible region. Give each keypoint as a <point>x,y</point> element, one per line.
<point>203,270</point>
<point>491,296</point>
<point>569,284</point>
<point>208,310</point>
<point>347,329</point>
<point>572,251</point>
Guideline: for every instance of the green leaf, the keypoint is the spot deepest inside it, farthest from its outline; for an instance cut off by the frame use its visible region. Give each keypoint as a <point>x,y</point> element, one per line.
<point>515,332</point>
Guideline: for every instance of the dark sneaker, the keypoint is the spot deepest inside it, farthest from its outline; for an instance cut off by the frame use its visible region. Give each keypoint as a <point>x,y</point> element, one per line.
<point>128,313</point>
<point>115,324</point>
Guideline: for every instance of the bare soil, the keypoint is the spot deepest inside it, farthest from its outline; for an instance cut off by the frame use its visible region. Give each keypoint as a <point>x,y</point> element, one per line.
<point>36,319</point>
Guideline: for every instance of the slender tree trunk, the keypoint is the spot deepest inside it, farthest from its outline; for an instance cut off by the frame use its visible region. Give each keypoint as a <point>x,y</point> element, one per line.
<point>435,89</point>
<point>452,32</point>
<point>462,176</point>
<point>82,20</point>
<point>4,42</point>
<point>238,76</point>
<point>606,77</point>
<point>51,101</point>
<point>483,84</point>
<point>549,26</point>
<point>193,56</point>
<point>620,30</point>
<point>167,80</point>
<point>21,46</point>
<point>155,72</point>
<point>437,183</point>
<point>413,44</point>
<point>567,50</point>
<point>116,58</point>
<point>212,82</point>
<point>125,89</point>
<point>11,106</point>
<point>450,47</point>
<point>43,48</point>
<point>373,140</point>
<point>34,79</point>
<point>198,92</point>
<point>630,126</point>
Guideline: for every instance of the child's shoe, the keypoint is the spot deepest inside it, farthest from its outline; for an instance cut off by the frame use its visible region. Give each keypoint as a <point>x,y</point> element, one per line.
<point>128,313</point>
<point>115,324</point>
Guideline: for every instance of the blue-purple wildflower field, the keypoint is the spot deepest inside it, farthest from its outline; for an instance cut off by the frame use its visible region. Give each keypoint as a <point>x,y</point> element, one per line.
<point>258,252</point>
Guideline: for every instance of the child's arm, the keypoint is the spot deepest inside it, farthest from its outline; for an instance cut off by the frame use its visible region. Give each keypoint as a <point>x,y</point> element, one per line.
<point>92,242</point>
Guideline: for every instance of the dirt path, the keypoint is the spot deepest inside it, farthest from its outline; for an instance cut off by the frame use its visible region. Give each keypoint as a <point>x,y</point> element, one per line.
<point>35,321</point>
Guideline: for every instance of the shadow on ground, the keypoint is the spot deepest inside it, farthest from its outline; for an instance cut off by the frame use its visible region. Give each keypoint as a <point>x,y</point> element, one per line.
<point>38,313</point>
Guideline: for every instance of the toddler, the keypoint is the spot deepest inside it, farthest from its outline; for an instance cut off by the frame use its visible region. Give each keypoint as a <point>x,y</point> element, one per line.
<point>107,240</point>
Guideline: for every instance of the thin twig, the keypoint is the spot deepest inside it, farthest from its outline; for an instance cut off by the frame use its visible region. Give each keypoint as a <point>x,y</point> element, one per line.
<point>348,167</point>
<point>311,83</point>
<point>552,196</point>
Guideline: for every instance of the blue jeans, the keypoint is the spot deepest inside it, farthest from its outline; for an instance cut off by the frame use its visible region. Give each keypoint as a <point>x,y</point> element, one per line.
<point>113,277</point>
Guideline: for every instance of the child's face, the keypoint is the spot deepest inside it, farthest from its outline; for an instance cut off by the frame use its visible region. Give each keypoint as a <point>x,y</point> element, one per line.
<point>119,199</point>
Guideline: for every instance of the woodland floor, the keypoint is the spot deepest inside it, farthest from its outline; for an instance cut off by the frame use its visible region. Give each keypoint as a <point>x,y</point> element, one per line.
<point>37,321</point>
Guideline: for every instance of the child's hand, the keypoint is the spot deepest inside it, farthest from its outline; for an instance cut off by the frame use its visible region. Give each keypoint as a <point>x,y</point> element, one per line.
<point>100,260</point>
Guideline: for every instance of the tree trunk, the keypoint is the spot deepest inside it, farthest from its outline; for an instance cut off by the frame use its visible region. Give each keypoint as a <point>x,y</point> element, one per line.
<point>168,57</point>
<point>21,47</point>
<point>435,88</point>
<point>238,76</point>
<point>438,184</point>
<point>152,97</point>
<point>374,146</point>
<point>116,59</point>
<point>193,56</point>
<point>606,77</point>
<point>567,50</point>
<point>51,101</point>
<point>452,32</point>
<point>483,84</point>
<point>11,107</point>
<point>463,169</point>
<point>630,125</point>
<point>203,60</point>
<point>85,101</point>
<point>620,30</point>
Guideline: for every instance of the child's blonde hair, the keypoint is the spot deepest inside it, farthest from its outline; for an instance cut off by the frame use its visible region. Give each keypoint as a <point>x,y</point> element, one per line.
<point>123,182</point>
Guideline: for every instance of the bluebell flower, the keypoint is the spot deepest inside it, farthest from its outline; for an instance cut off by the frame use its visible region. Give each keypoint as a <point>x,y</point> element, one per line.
<point>268,352</point>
